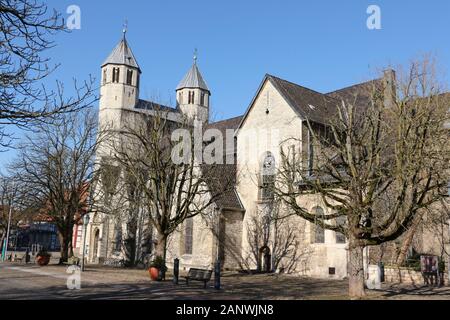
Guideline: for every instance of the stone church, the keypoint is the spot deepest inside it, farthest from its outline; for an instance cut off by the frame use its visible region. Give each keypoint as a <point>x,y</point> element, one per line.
<point>277,112</point>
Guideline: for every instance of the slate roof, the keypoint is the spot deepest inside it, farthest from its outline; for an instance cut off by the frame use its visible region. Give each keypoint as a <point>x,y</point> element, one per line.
<point>227,172</point>
<point>223,125</point>
<point>150,105</point>
<point>122,55</point>
<point>310,104</point>
<point>358,94</point>
<point>193,79</point>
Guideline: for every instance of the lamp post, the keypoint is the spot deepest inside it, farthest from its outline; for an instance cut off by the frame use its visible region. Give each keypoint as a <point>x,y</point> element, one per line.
<point>85,223</point>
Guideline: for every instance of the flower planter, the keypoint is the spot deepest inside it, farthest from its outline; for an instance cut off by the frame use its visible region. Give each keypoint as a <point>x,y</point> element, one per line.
<point>42,260</point>
<point>154,274</point>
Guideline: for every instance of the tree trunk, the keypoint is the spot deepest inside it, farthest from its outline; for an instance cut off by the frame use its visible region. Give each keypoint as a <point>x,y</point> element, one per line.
<point>64,242</point>
<point>130,243</point>
<point>406,244</point>
<point>160,249</point>
<point>356,270</point>
<point>1,242</point>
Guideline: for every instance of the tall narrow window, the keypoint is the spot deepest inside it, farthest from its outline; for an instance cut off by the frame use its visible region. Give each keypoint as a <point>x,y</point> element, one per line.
<point>188,235</point>
<point>191,97</point>
<point>267,177</point>
<point>318,231</point>
<point>117,237</point>
<point>105,76</point>
<point>116,74</point>
<point>129,77</point>
<point>202,99</point>
<point>180,97</point>
<point>340,221</point>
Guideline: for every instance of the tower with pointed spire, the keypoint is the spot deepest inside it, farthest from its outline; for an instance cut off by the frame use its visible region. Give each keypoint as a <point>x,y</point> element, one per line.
<point>193,94</point>
<point>119,81</point>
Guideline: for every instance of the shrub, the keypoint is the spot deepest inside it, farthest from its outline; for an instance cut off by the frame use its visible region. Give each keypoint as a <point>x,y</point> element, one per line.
<point>159,263</point>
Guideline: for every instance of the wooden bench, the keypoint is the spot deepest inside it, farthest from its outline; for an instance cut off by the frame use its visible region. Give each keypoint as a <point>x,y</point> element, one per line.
<point>202,275</point>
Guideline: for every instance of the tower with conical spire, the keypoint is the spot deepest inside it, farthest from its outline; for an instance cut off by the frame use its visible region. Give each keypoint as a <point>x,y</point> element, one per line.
<point>193,94</point>
<point>119,81</point>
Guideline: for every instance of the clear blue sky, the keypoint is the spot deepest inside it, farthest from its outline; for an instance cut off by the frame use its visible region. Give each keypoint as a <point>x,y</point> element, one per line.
<point>323,45</point>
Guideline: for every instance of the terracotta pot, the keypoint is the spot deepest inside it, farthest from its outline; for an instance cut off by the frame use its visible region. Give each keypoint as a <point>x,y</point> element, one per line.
<point>42,260</point>
<point>154,274</point>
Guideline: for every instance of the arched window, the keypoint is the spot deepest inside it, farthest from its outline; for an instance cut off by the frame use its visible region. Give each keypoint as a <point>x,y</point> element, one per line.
<point>267,177</point>
<point>318,234</point>
<point>191,97</point>
<point>340,221</point>
<point>115,75</point>
<point>117,237</point>
<point>129,77</point>
<point>188,235</point>
<point>202,99</point>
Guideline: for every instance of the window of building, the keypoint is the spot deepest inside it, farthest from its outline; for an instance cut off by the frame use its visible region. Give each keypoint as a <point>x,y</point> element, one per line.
<point>191,97</point>
<point>129,77</point>
<point>118,237</point>
<point>180,97</point>
<point>267,177</point>
<point>340,238</point>
<point>202,99</point>
<point>104,76</point>
<point>188,235</point>
<point>318,231</point>
<point>115,75</point>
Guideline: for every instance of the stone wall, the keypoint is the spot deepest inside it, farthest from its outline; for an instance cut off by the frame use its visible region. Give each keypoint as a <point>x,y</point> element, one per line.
<point>406,276</point>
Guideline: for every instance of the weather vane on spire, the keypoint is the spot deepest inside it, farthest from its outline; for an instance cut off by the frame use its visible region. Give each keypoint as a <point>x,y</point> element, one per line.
<point>125,27</point>
<point>195,55</point>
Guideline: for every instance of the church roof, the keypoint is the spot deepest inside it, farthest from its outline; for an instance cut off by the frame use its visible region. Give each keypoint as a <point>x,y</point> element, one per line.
<point>315,106</point>
<point>122,55</point>
<point>225,173</point>
<point>310,104</point>
<point>193,79</point>
<point>150,105</point>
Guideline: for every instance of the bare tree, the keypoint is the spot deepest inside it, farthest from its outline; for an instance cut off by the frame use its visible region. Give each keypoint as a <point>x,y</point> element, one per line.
<point>169,191</point>
<point>56,167</point>
<point>9,204</point>
<point>270,232</point>
<point>25,35</point>
<point>377,165</point>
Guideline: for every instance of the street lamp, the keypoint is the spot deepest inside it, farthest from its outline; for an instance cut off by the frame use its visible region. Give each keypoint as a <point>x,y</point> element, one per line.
<point>85,223</point>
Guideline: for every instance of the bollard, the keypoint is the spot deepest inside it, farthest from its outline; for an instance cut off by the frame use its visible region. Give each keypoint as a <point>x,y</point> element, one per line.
<point>176,270</point>
<point>217,275</point>
<point>27,256</point>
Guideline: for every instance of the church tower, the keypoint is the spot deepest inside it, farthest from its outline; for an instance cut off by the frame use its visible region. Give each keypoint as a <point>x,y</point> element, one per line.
<point>119,82</point>
<point>193,95</point>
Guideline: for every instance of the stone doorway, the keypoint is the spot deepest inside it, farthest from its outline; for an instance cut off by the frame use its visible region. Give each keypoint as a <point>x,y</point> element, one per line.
<point>265,260</point>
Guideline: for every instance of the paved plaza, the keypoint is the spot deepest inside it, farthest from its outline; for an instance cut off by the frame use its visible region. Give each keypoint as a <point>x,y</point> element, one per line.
<point>19,281</point>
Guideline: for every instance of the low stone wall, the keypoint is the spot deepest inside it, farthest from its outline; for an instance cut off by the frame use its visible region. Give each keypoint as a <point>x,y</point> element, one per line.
<point>406,276</point>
